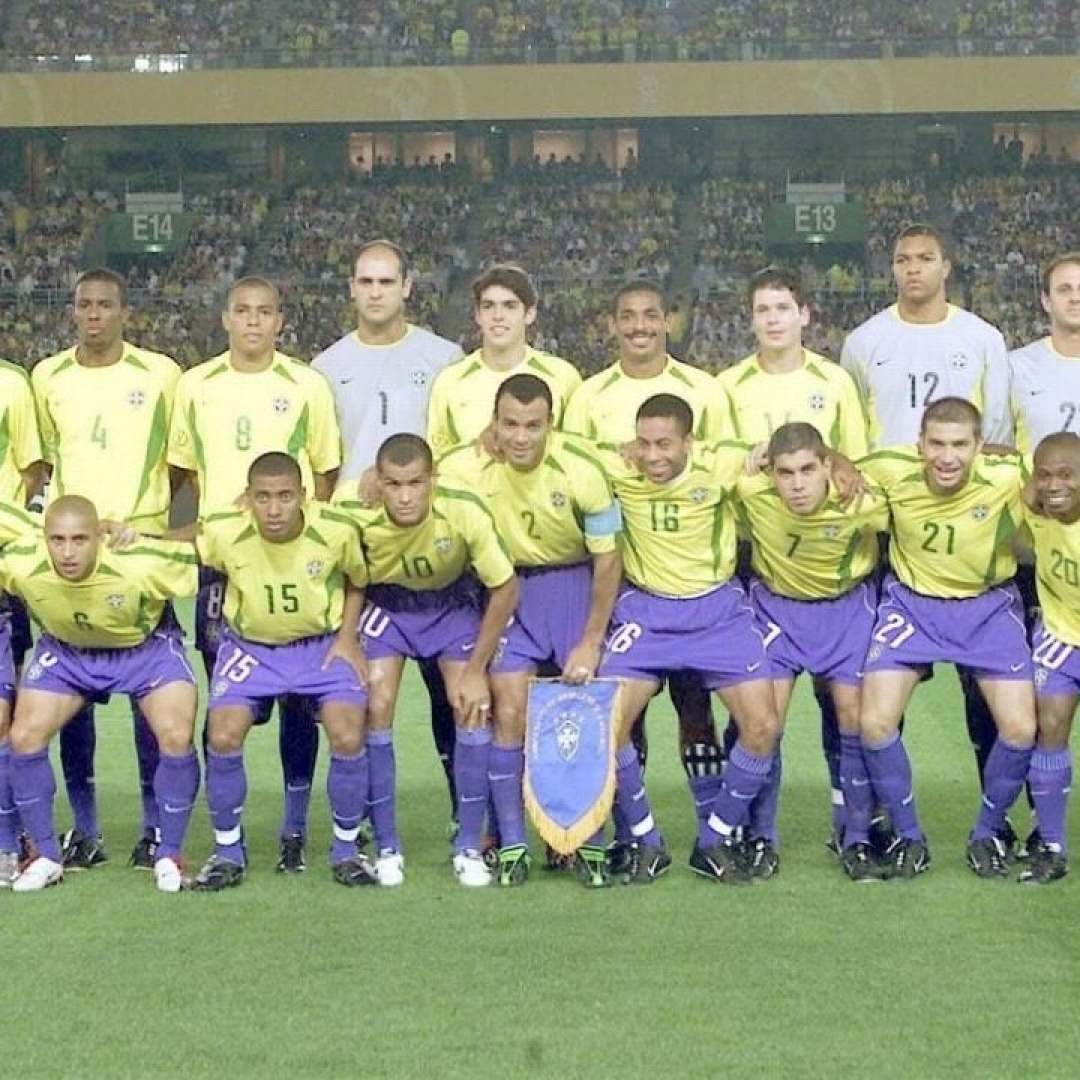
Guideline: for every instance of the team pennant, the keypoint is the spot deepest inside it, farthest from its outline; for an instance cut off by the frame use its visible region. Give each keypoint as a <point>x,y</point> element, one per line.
<point>570,759</point>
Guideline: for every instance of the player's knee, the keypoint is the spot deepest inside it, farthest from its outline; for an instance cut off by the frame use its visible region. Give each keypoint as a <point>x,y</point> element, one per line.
<point>1018,730</point>
<point>27,737</point>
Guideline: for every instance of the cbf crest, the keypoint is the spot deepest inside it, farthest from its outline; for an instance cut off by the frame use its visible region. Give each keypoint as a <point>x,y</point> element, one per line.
<point>443,545</point>
<point>419,378</point>
<point>981,513</point>
<point>959,361</point>
<point>816,402</point>
<point>136,399</point>
<point>281,404</point>
<point>570,759</point>
<point>558,499</point>
<point>314,568</point>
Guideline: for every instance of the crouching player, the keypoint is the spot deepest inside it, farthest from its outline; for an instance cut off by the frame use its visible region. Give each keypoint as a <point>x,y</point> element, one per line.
<point>295,575</point>
<point>553,507</point>
<point>684,610</point>
<point>812,561</point>
<point>954,513</point>
<point>1053,521</point>
<point>424,543</point>
<point>100,611</point>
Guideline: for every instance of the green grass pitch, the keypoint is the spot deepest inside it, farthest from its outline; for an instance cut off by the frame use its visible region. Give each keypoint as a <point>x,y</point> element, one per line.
<point>805,976</point>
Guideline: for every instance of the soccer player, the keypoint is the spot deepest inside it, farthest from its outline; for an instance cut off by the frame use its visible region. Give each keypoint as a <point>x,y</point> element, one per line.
<point>381,376</point>
<point>916,351</point>
<point>102,632</point>
<point>21,477</point>
<point>812,592</point>
<point>684,610</point>
<point>104,408</point>
<point>1053,522</point>
<point>295,576</point>
<point>1044,381</point>
<point>504,307</point>
<point>249,400</point>
<point>424,544</point>
<point>779,383</point>
<point>603,410</point>
<point>954,512</point>
<point>554,509</point>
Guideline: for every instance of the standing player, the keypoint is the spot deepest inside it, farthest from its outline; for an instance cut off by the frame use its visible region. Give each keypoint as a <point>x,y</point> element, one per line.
<point>684,610</point>
<point>603,410</point>
<point>295,575</point>
<point>21,476</point>
<point>228,411</point>
<point>504,307</point>
<point>916,351</point>
<point>102,633</point>
<point>381,376</point>
<point>812,561</point>
<point>104,408</point>
<point>554,509</point>
<point>424,544</point>
<point>954,512</point>
<point>780,383</point>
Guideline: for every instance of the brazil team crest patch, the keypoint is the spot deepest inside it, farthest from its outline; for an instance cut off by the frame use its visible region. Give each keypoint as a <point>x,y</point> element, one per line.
<point>570,759</point>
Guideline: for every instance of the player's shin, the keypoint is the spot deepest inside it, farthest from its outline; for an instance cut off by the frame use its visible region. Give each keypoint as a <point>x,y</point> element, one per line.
<point>347,781</point>
<point>226,792</point>
<point>176,784</point>
<point>34,788</point>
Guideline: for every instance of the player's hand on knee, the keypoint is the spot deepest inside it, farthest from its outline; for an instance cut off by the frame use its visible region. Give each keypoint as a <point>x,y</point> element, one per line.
<point>347,648</point>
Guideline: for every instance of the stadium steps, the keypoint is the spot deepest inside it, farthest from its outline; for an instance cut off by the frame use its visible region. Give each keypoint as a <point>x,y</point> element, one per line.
<point>455,319</point>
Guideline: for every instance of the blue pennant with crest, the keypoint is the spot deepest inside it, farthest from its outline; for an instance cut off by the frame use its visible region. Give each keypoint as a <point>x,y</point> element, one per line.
<point>570,759</point>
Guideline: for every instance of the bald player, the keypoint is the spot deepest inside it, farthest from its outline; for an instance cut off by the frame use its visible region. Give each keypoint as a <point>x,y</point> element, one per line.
<point>104,407</point>
<point>101,617</point>
<point>230,409</point>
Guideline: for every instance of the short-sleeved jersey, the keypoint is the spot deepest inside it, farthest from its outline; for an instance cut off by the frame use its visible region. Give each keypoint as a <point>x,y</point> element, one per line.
<point>15,522</point>
<point>1044,394</point>
<point>950,546</point>
<point>281,592</point>
<point>457,536</point>
<point>224,418</point>
<point>118,606</point>
<point>819,392</point>
<point>679,537</point>
<point>603,408</point>
<point>105,430</point>
<point>816,556</point>
<point>463,397</point>
<point>901,367</point>
<point>20,443</point>
<point>1057,573</point>
<point>558,513</point>
<point>382,390</point>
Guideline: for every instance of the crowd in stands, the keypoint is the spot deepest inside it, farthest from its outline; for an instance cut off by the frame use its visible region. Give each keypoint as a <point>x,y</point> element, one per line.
<point>319,32</point>
<point>580,237</point>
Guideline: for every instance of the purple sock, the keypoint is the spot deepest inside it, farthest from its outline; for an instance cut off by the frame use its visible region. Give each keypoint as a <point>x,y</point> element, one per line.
<point>890,773</point>
<point>78,741</point>
<point>471,752</point>
<point>382,790</point>
<point>298,744</point>
<point>34,786</point>
<point>1004,776</point>
<point>347,790</point>
<point>703,764</point>
<point>633,802</point>
<point>226,790</point>
<point>9,832</point>
<point>1050,778</point>
<point>744,777</point>
<point>176,783</point>
<point>147,755</point>
<point>858,794</point>
<point>505,769</point>
<point>761,820</point>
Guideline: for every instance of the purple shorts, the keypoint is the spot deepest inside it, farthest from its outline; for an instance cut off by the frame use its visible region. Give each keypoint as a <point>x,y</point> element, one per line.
<point>984,633</point>
<point>552,610</point>
<point>421,625</point>
<point>249,673</point>
<point>827,638</point>
<point>1057,664</point>
<point>96,673</point>
<point>714,635</point>
<point>7,660</point>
